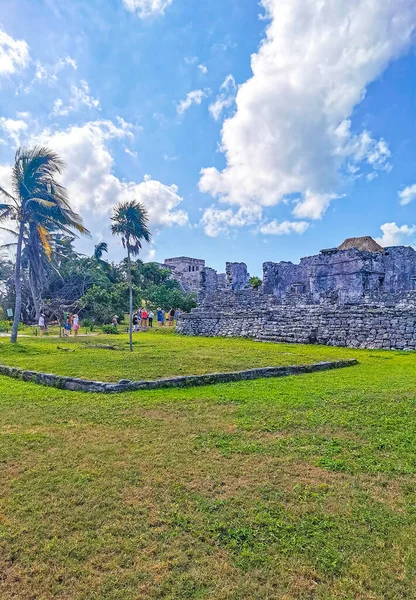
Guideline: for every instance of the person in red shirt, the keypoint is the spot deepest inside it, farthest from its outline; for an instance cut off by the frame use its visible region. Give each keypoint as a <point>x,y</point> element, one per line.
<point>144,317</point>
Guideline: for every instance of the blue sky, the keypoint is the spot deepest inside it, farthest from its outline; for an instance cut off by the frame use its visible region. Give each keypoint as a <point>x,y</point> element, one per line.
<point>251,131</point>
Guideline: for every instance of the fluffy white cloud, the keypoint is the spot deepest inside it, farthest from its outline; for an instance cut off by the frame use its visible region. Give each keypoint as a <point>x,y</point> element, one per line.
<point>147,8</point>
<point>408,194</point>
<point>284,227</point>
<point>203,69</point>
<point>80,96</point>
<point>217,221</point>
<point>393,235</point>
<point>225,99</point>
<point>13,129</point>
<point>313,206</point>
<point>14,54</point>
<point>94,188</point>
<point>291,130</point>
<point>194,97</point>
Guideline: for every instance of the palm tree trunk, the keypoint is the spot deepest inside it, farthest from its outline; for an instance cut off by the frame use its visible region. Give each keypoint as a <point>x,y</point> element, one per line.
<point>17,285</point>
<point>131,301</point>
<point>35,294</point>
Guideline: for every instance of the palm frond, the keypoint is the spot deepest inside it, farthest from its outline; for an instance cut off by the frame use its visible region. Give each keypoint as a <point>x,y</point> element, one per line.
<point>4,192</point>
<point>44,237</point>
<point>7,230</point>
<point>130,220</point>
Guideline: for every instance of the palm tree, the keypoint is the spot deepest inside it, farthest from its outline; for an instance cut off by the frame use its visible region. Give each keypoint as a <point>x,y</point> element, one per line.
<point>39,204</point>
<point>130,220</point>
<point>99,250</point>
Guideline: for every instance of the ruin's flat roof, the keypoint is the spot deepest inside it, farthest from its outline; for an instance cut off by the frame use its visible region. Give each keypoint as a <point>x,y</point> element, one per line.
<point>185,258</point>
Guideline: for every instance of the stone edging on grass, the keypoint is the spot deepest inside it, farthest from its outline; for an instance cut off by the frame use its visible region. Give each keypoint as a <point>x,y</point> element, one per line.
<point>125,385</point>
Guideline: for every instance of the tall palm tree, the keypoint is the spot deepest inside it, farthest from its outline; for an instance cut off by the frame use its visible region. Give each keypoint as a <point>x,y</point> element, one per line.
<point>99,250</point>
<point>39,204</point>
<point>130,221</point>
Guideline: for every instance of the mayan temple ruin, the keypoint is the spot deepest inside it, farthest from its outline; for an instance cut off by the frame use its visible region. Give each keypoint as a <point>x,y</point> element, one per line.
<point>358,295</point>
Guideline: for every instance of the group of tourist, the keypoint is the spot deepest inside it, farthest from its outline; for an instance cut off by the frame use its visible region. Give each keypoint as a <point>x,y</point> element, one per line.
<point>71,324</point>
<point>142,318</point>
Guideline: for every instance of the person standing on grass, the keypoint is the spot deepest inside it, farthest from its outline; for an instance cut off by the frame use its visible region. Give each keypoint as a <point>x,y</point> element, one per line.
<point>67,327</point>
<point>75,324</point>
<point>159,313</point>
<point>135,321</point>
<point>171,317</point>
<point>150,317</point>
<point>42,324</point>
<point>70,321</point>
<point>144,318</point>
<point>115,321</point>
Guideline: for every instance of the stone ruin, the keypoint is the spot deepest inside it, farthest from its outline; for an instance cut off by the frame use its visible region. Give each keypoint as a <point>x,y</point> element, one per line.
<point>358,295</point>
<point>186,271</point>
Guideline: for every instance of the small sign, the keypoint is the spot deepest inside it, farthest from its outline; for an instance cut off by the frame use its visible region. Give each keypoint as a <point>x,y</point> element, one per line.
<point>9,312</point>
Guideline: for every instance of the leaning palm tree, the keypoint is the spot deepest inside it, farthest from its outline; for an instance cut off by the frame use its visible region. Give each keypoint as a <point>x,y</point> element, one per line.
<point>130,220</point>
<point>39,204</point>
<point>99,250</point>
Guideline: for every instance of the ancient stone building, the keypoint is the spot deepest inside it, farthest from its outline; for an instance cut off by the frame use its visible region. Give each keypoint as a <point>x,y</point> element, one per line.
<point>359,295</point>
<point>187,271</point>
<point>357,269</point>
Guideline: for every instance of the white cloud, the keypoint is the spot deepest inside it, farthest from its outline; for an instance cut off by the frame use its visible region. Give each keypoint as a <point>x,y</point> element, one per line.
<point>313,206</point>
<point>225,99</point>
<point>14,54</point>
<point>50,72</point>
<point>393,235</point>
<point>147,8</point>
<point>80,96</point>
<point>217,221</point>
<point>191,60</point>
<point>284,227</point>
<point>13,129</point>
<point>203,69</point>
<point>92,185</point>
<point>408,194</point>
<point>194,97</point>
<point>291,130</point>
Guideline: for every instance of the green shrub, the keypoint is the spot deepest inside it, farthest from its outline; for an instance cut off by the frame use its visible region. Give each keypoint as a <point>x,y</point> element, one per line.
<point>110,329</point>
<point>5,326</point>
<point>88,323</point>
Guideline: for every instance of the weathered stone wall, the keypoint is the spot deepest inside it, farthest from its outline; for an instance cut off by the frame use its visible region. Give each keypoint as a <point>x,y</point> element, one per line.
<point>390,323</point>
<point>186,271</point>
<point>236,275</point>
<point>344,275</point>
<point>75,384</point>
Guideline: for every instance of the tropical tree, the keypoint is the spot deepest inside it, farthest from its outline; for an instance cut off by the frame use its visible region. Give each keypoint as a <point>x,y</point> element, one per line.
<point>99,250</point>
<point>130,221</point>
<point>39,205</point>
<point>255,282</point>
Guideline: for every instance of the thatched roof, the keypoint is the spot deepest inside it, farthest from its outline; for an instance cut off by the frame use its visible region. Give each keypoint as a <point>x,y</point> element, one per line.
<point>361,243</point>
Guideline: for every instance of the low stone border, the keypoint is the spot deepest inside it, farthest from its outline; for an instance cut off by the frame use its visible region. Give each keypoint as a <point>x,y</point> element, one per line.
<point>125,385</point>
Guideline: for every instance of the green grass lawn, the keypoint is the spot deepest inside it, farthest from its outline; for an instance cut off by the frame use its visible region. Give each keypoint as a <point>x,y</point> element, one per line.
<point>294,488</point>
<point>156,354</point>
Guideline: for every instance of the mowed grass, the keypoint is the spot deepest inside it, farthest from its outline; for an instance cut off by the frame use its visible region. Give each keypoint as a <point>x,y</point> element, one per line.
<point>295,488</point>
<point>157,354</point>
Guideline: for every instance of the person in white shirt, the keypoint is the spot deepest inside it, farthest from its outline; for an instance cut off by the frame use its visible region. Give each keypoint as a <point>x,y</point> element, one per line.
<point>42,324</point>
<point>75,324</point>
<point>150,316</point>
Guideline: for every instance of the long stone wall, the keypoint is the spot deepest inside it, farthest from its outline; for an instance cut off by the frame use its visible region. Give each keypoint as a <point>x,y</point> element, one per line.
<point>256,315</point>
<point>76,384</point>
